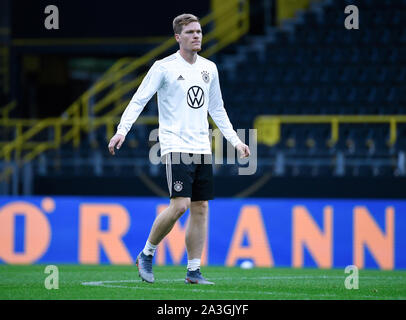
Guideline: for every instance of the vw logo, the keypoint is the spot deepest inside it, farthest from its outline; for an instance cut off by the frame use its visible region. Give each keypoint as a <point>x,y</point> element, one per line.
<point>195,97</point>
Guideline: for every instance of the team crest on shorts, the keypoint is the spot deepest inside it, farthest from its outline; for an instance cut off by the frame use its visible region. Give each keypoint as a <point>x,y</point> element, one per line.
<point>178,186</point>
<point>205,76</point>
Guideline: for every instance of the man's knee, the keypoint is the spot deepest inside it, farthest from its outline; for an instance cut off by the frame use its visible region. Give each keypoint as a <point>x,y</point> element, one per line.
<point>200,207</point>
<point>180,206</point>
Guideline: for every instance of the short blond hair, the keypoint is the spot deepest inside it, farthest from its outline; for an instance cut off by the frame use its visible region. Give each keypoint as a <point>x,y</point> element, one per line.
<point>183,20</point>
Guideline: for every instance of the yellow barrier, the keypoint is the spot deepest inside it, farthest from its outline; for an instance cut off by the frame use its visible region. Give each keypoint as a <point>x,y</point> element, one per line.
<point>6,109</point>
<point>286,9</point>
<point>269,126</point>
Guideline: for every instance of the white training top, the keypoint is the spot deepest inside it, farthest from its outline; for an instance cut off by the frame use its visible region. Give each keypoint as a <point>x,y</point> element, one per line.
<point>186,92</point>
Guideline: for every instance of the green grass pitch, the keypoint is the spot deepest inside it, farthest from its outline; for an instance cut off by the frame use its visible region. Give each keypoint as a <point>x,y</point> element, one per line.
<point>82,282</point>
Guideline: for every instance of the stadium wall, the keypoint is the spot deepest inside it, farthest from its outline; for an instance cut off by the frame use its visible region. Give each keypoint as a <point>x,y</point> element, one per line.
<point>321,233</point>
<point>99,19</point>
<point>227,186</point>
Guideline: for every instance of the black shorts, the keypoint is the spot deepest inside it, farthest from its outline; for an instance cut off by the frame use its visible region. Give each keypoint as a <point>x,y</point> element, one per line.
<point>189,175</point>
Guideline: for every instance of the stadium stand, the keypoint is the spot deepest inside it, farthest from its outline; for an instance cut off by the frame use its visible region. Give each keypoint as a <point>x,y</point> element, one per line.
<point>310,65</point>
<point>313,65</point>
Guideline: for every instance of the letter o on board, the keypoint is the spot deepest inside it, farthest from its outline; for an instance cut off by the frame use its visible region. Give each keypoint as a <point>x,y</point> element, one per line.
<point>37,233</point>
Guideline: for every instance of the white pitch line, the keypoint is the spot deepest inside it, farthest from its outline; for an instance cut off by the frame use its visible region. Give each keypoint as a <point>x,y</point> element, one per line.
<point>96,283</point>
<point>279,293</point>
<point>109,284</point>
<point>277,278</point>
<point>102,284</point>
<point>310,277</point>
<point>174,289</point>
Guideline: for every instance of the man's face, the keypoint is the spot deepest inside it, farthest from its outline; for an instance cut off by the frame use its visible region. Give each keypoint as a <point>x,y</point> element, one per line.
<point>190,38</point>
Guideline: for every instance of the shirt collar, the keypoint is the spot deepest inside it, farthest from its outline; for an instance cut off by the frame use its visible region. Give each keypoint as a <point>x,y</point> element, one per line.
<point>184,61</point>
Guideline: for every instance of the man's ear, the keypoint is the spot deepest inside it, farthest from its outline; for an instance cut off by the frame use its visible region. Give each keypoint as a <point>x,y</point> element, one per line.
<point>177,37</point>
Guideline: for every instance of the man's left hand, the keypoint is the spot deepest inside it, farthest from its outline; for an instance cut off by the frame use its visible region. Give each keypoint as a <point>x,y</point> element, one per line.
<point>243,150</point>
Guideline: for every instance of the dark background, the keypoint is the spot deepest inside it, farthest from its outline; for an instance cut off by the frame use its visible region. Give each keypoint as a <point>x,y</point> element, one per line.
<point>90,18</point>
<point>50,69</point>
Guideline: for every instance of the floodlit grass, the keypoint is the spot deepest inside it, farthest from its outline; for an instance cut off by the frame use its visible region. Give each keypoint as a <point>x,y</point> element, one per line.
<point>80,282</point>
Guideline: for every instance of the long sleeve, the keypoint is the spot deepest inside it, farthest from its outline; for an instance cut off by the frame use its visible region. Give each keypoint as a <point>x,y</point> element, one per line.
<point>219,114</point>
<point>149,86</point>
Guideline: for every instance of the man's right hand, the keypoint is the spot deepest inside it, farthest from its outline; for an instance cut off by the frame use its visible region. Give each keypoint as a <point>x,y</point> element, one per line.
<point>116,141</point>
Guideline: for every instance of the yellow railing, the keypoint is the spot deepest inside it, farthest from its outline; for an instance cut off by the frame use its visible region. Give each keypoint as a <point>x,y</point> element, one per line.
<point>82,116</point>
<point>286,9</point>
<point>5,111</point>
<point>57,125</point>
<point>269,126</point>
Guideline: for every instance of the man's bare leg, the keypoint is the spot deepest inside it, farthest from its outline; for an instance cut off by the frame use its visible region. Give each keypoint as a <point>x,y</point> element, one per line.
<point>196,230</point>
<point>196,233</point>
<point>163,223</point>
